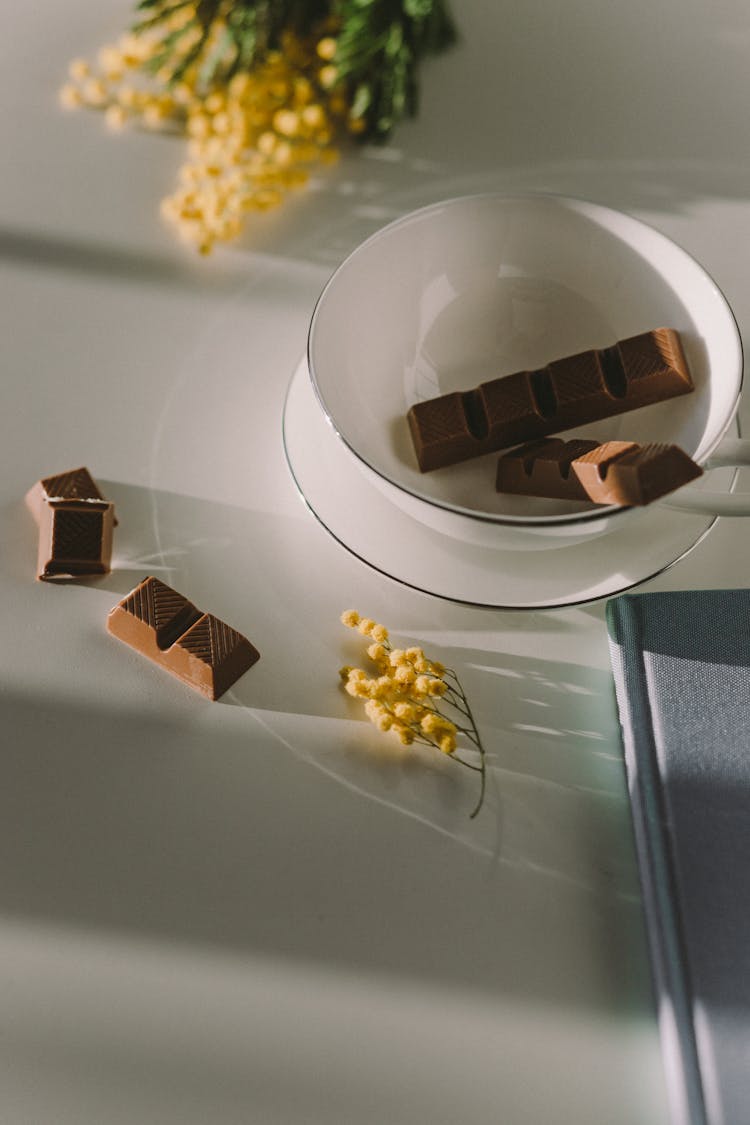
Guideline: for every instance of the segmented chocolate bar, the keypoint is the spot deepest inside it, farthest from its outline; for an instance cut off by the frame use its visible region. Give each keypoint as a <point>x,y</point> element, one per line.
<point>568,392</point>
<point>75,525</point>
<point>196,647</point>
<point>612,472</point>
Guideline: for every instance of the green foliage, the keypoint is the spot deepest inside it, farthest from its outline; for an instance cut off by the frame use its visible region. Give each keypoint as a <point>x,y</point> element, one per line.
<point>380,44</point>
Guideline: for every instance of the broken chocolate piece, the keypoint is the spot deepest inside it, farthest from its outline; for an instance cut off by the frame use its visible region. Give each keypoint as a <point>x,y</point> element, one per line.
<point>196,647</point>
<point>568,392</point>
<point>542,468</point>
<point>628,474</point>
<point>610,472</point>
<point>75,525</point>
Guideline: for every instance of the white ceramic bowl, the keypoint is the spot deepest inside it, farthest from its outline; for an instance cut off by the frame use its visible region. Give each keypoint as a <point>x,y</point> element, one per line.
<point>481,286</point>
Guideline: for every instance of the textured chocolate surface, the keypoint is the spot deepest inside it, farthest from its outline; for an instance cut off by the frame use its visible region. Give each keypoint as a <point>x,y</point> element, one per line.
<point>197,647</point>
<point>75,525</point>
<point>612,472</point>
<point>634,475</point>
<point>568,392</point>
<point>76,484</point>
<point>542,468</point>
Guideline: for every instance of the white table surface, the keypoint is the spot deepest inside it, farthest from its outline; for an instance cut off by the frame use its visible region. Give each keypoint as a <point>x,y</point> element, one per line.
<point>241,912</point>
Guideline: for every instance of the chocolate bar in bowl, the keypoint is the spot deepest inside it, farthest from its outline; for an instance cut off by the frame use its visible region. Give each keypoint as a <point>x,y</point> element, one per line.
<point>612,472</point>
<point>569,392</point>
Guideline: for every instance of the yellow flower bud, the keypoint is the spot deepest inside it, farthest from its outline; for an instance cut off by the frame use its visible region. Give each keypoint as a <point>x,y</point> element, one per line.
<point>94,91</point>
<point>436,687</point>
<point>198,126</point>
<point>266,143</point>
<point>115,116</point>
<point>70,97</point>
<point>286,122</point>
<point>326,48</point>
<point>328,76</point>
<point>153,116</point>
<point>406,711</point>
<point>111,61</point>
<point>239,85</point>
<point>313,116</point>
<point>189,173</point>
<point>221,123</point>
<point>79,69</point>
<point>283,153</point>
<point>214,102</point>
<point>182,93</point>
<point>170,208</point>
<point>380,688</point>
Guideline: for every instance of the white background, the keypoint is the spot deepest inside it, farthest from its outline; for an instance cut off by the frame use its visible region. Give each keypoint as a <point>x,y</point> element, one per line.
<point>246,912</point>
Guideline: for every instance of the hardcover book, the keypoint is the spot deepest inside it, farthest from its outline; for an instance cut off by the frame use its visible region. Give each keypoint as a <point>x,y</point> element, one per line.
<point>681,663</point>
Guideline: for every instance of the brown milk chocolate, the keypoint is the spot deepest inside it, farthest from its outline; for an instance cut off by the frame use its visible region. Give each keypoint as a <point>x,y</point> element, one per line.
<point>196,647</point>
<point>75,525</point>
<point>610,472</point>
<point>566,393</point>
<point>542,468</point>
<point>635,474</point>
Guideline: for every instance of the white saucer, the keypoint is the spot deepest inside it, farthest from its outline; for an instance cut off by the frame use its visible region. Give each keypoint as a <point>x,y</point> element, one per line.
<point>359,517</point>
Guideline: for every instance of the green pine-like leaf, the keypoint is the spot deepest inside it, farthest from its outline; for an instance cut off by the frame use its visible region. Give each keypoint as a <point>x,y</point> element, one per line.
<point>380,45</point>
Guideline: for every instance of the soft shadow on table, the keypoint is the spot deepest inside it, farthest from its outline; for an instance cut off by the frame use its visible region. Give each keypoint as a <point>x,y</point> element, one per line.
<point>380,185</point>
<point>273,822</point>
<point>74,256</point>
<point>124,822</point>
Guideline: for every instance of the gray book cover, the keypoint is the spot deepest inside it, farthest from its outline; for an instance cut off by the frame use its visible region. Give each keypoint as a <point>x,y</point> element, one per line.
<point>681,663</point>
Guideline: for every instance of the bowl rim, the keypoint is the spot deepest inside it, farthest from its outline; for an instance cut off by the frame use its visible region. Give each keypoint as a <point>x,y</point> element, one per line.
<point>576,203</point>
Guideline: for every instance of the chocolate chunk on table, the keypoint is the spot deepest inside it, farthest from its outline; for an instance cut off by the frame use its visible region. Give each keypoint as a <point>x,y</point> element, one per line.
<point>569,392</point>
<point>611,472</point>
<point>76,525</point>
<point>196,647</point>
